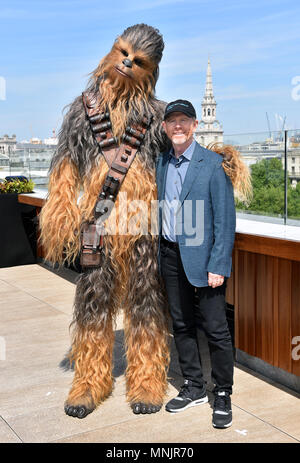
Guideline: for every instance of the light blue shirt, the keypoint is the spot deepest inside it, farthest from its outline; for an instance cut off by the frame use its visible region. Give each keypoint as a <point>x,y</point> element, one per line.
<point>176,172</point>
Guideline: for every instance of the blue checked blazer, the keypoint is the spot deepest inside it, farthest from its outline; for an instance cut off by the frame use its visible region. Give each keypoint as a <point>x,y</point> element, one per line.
<point>205,220</point>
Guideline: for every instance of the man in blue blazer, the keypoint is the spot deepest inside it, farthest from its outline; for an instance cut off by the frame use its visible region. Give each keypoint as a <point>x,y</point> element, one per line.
<point>196,235</point>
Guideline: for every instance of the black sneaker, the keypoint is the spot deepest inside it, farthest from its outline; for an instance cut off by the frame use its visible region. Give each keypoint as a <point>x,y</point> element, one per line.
<point>189,396</point>
<point>222,414</point>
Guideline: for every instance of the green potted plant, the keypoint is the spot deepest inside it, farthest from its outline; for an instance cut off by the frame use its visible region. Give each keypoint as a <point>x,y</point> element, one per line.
<point>17,231</point>
<point>16,185</point>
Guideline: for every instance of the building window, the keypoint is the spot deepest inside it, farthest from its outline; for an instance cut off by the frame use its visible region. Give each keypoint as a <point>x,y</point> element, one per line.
<point>208,112</point>
<point>204,112</point>
<point>213,112</point>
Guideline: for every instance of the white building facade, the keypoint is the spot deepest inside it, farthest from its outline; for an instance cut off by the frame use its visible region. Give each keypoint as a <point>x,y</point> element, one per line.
<point>7,144</point>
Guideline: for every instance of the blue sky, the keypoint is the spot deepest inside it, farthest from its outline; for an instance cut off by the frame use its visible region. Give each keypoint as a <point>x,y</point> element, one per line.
<point>48,48</point>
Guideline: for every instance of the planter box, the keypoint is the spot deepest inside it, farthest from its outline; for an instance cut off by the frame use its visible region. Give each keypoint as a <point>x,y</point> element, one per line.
<point>17,232</point>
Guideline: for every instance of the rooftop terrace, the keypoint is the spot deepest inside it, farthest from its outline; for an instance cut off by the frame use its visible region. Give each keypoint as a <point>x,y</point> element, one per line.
<point>36,307</point>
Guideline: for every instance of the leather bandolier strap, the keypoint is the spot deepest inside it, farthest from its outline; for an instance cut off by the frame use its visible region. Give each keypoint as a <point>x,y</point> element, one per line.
<point>119,159</point>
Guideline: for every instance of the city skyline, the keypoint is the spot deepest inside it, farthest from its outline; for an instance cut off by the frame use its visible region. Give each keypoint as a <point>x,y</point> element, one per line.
<point>50,50</point>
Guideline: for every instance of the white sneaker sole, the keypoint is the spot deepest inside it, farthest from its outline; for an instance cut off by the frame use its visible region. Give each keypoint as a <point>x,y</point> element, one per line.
<point>222,427</point>
<point>204,400</point>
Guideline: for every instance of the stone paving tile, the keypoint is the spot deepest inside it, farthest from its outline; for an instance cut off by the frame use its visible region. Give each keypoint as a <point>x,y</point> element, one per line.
<point>49,424</point>
<point>41,284</point>
<point>7,435</point>
<point>41,395</point>
<point>39,375</point>
<point>192,426</point>
<point>44,393</point>
<point>33,340</point>
<point>47,421</point>
<point>35,312</point>
<point>34,348</point>
<point>271,403</point>
<point>62,302</point>
<point>18,307</point>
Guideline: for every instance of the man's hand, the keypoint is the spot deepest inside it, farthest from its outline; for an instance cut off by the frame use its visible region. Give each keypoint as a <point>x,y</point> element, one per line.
<point>215,280</point>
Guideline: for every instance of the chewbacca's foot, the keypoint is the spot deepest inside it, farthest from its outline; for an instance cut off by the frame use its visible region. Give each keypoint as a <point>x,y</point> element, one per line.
<point>78,411</point>
<point>79,407</point>
<point>143,408</point>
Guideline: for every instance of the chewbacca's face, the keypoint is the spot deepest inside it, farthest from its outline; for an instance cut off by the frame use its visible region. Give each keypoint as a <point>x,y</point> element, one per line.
<point>127,67</point>
<point>126,77</point>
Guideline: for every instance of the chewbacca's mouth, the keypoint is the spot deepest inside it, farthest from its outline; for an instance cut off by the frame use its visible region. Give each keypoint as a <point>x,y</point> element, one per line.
<point>121,72</point>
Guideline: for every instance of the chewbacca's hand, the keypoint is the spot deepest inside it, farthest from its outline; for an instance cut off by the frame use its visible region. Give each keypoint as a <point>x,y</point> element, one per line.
<point>215,280</point>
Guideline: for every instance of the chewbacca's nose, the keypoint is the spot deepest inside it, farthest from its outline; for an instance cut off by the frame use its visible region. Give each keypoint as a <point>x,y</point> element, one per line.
<point>127,62</point>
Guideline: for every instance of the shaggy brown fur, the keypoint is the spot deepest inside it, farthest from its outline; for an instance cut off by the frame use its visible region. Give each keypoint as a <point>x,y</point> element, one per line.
<point>60,218</point>
<point>236,170</point>
<point>128,277</point>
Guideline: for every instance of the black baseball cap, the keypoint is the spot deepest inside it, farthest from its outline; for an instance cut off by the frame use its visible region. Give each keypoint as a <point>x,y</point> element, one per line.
<point>181,106</point>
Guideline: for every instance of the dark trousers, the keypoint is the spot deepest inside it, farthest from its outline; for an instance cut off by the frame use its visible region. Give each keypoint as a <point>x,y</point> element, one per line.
<point>208,312</point>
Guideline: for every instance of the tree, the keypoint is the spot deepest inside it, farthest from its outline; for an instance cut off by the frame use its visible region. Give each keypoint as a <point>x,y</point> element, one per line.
<point>294,202</point>
<point>268,190</point>
<point>267,173</point>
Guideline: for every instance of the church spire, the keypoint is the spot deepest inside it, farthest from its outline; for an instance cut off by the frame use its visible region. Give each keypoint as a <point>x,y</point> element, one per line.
<point>210,130</point>
<point>209,95</point>
<point>209,86</point>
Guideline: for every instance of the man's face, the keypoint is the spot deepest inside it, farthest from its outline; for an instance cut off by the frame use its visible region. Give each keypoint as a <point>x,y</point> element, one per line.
<point>179,127</point>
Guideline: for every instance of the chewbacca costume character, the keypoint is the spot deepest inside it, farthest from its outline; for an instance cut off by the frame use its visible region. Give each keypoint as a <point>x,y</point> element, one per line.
<point>123,85</point>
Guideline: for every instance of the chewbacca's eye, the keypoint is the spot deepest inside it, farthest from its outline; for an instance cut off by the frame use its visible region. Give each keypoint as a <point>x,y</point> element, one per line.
<point>124,52</point>
<point>138,62</point>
